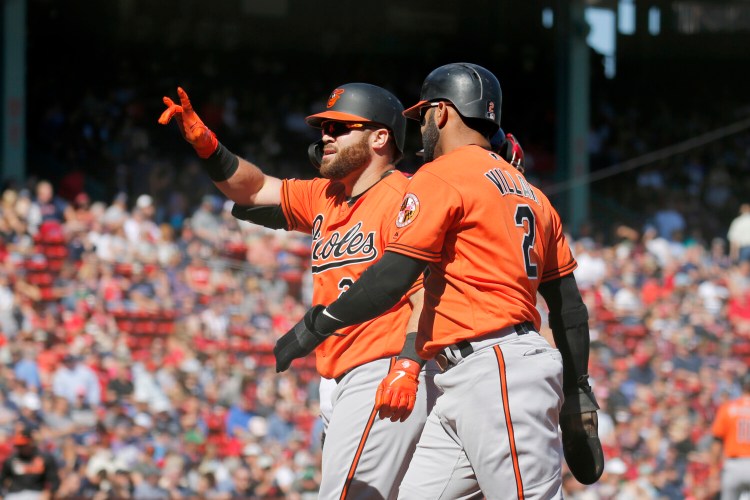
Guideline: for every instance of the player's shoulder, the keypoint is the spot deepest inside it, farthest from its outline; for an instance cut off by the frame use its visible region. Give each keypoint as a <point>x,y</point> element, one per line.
<point>327,187</point>
<point>396,180</point>
<point>455,163</point>
<point>442,167</point>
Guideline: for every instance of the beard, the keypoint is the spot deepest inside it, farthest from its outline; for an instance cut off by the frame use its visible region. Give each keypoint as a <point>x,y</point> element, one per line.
<point>430,137</point>
<point>347,160</point>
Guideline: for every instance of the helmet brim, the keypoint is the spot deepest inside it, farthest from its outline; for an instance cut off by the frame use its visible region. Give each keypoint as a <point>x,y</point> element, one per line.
<point>413,112</point>
<point>318,118</point>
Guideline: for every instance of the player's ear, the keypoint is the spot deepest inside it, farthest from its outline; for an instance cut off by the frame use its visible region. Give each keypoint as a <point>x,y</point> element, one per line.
<point>379,139</point>
<point>442,113</point>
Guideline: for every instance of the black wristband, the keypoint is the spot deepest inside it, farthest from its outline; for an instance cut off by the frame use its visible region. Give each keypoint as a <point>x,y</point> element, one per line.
<point>221,165</point>
<point>410,349</point>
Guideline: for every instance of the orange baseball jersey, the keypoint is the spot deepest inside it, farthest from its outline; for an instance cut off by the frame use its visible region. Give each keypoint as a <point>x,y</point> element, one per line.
<point>732,427</point>
<point>490,237</point>
<point>347,237</point>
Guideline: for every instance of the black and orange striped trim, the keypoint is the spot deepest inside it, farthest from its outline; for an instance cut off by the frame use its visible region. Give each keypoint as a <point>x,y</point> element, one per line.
<point>560,271</point>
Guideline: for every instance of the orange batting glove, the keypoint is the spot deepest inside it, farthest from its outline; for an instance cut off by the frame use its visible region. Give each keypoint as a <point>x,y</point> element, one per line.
<point>398,391</point>
<point>191,126</point>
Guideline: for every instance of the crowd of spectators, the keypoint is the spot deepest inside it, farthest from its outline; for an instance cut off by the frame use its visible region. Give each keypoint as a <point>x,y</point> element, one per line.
<point>143,360</point>
<point>137,316</point>
<point>140,356</point>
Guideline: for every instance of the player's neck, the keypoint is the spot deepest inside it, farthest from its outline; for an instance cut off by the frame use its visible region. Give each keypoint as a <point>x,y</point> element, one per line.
<point>460,137</point>
<point>371,175</point>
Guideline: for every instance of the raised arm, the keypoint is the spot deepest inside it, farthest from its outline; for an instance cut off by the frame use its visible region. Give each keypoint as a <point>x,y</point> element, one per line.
<point>239,180</point>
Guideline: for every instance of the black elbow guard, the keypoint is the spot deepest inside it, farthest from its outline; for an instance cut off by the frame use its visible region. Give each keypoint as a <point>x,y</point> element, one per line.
<point>570,329</point>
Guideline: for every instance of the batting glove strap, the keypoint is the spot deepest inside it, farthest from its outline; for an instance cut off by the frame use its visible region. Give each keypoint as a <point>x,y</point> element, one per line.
<point>579,402</point>
<point>409,351</point>
<point>411,367</point>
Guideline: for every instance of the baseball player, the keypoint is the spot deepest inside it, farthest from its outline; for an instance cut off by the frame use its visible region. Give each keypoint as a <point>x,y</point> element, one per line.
<point>731,431</point>
<point>349,213</point>
<point>491,241</point>
<point>29,473</point>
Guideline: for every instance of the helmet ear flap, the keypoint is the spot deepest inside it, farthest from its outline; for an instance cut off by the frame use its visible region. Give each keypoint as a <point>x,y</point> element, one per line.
<point>315,153</point>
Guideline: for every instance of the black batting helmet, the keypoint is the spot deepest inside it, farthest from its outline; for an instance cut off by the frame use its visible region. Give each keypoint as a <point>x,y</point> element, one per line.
<point>473,90</point>
<point>362,102</point>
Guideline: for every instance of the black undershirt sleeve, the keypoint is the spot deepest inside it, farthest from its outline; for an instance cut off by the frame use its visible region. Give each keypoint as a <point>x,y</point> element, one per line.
<point>270,216</point>
<point>379,288</point>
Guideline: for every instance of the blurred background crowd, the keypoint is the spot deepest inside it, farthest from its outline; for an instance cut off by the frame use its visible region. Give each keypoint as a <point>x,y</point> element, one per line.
<point>137,316</point>
<point>136,332</point>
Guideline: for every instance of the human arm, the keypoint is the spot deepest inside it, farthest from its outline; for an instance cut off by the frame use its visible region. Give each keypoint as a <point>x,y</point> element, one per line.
<point>240,181</point>
<point>270,216</point>
<point>715,452</point>
<point>568,320</point>
<point>417,303</point>
<point>379,288</point>
<point>397,392</point>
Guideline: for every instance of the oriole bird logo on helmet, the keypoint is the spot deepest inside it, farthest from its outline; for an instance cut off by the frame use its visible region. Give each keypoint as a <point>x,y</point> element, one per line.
<point>334,97</point>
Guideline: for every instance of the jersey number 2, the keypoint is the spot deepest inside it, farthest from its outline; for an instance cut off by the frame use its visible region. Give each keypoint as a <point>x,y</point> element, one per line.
<point>344,285</point>
<point>525,214</point>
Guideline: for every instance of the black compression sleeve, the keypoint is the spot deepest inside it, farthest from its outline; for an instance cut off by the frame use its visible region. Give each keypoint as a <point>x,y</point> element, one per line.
<point>379,288</point>
<point>568,319</point>
<point>270,216</point>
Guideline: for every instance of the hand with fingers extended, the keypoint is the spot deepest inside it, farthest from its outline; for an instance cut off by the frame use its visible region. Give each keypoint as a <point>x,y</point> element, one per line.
<point>191,126</point>
<point>398,391</point>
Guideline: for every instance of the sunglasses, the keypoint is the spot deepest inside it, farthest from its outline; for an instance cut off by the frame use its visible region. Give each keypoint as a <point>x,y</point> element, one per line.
<point>335,129</point>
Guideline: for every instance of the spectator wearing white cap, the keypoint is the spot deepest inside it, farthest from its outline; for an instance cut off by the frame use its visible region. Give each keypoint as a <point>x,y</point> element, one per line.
<point>739,235</point>
<point>612,479</point>
<point>140,226</point>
